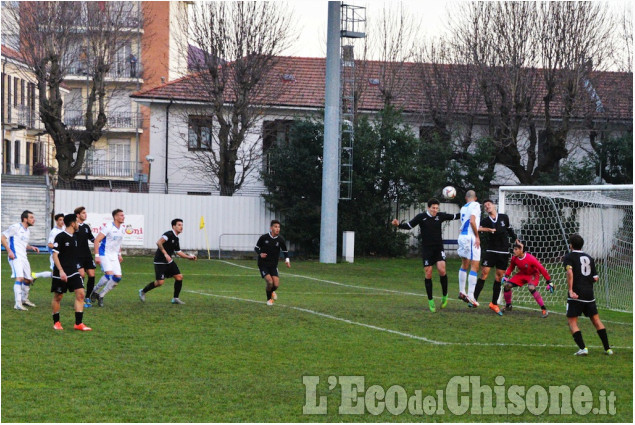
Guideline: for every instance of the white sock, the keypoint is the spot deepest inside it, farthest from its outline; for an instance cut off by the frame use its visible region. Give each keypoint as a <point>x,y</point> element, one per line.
<point>42,274</point>
<point>25,291</point>
<point>462,279</point>
<point>102,282</point>
<point>471,282</point>
<point>109,287</point>
<point>17,291</point>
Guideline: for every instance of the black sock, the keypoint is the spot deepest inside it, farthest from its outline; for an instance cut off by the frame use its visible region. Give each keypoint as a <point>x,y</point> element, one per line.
<point>56,317</point>
<point>605,338</point>
<point>149,287</point>
<point>496,292</point>
<point>429,288</point>
<point>90,285</point>
<point>444,285</point>
<point>79,316</point>
<point>275,288</point>
<point>178,284</point>
<point>480,283</point>
<point>577,337</point>
<point>269,290</point>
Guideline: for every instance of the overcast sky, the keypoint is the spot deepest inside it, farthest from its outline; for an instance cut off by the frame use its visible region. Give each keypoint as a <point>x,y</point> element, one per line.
<point>311,20</point>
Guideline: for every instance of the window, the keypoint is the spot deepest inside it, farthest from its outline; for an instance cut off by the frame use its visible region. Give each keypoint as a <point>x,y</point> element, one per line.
<point>119,155</point>
<point>15,91</point>
<point>200,133</point>
<point>273,133</point>
<point>22,92</point>
<point>6,156</point>
<point>16,154</point>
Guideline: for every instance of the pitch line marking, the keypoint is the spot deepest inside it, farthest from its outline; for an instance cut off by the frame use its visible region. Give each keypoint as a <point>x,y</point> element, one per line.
<point>399,292</point>
<point>391,331</point>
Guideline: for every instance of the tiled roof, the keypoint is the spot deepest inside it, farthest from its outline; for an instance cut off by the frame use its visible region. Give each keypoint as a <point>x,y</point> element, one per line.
<point>8,52</point>
<point>298,82</point>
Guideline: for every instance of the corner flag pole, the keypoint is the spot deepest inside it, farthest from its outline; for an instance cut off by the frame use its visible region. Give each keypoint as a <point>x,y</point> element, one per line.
<point>202,226</point>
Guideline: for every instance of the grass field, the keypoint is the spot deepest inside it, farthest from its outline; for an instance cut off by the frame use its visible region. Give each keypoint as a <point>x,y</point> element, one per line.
<point>225,356</point>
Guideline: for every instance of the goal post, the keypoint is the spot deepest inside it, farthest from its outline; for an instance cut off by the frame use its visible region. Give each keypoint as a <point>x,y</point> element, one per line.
<point>545,216</point>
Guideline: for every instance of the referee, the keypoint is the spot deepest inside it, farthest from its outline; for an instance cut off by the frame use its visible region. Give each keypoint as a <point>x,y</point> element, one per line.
<point>164,265</point>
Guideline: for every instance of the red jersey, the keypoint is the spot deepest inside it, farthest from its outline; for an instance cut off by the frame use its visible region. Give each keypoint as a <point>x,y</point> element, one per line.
<point>527,265</point>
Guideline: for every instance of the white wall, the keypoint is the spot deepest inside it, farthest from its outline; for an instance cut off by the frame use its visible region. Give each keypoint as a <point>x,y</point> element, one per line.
<point>226,214</point>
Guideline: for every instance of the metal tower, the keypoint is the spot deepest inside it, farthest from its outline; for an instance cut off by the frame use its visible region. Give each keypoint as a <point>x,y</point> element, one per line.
<point>352,27</point>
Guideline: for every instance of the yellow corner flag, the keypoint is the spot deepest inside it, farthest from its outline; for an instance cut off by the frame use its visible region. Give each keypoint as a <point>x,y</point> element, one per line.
<point>202,225</point>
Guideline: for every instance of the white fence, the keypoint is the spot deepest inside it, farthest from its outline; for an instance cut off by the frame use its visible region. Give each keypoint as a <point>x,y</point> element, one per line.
<point>221,214</point>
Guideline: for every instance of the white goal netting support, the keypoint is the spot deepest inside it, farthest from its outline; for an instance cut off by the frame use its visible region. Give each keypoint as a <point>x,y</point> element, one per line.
<point>545,216</point>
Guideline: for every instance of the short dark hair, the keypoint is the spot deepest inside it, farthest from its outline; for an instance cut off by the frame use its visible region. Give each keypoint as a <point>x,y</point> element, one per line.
<point>58,216</point>
<point>521,245</point>
<point>115,212</point>
<point>25,215</point>
<point>176,220</point>
<point>79,210</point>
<point>274,221</point>
<point>489,200</point>
<point>576,241</point>
<point>433,201</point>
<point>69,219</point>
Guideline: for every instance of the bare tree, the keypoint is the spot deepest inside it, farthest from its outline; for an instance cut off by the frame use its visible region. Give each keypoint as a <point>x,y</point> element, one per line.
<point>531,63</point>
<point>58,38</point>
<point>240,42</point>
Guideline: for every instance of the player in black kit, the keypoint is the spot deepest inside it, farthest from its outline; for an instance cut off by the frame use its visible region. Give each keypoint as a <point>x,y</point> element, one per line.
<point>581,276</point>
<point>86,262</point>
<point>429,223</point>
<point>164,265</point>
<point>268,249</point>
<point>497,252</point>
<point>66,275</point>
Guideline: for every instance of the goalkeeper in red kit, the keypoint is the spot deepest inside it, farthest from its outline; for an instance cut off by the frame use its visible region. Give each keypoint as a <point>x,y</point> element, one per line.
<point>529,274</point>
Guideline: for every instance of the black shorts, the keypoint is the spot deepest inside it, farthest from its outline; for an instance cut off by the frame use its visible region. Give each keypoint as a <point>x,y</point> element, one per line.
<point>73,282</point>
<point>164,271</point>
<point>578,308</point>
<point>87,263</point>
<point>495,259</point>
<point>268,270</point>
<point>432,255</point>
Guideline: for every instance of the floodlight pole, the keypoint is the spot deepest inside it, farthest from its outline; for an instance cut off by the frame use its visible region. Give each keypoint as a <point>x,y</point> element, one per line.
<point>330,170</point>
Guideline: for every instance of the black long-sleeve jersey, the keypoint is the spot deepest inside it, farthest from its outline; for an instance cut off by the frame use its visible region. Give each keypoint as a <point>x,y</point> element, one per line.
<point>429,226</point>
<point>272,247</point>
<point>83,235</point>
<point>499,241</point>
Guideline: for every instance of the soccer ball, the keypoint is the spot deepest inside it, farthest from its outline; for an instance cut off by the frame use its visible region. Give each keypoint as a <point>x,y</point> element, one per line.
<point>449,192</point>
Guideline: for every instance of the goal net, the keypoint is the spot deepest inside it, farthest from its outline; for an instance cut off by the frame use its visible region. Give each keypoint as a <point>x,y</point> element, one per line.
<point>545,216</point>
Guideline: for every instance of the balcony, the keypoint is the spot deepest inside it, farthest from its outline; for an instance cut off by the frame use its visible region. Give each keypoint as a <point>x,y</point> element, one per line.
<point>22,117</point>
<point>117,169</point>
<point>126,121</point>
<point>122,71</point>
